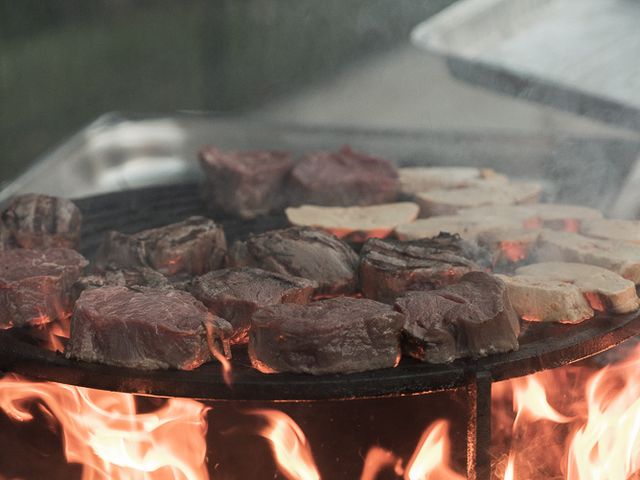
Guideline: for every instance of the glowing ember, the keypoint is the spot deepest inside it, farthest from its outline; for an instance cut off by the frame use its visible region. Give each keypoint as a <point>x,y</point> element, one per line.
<point>103,432</point>
<point>289,445</point>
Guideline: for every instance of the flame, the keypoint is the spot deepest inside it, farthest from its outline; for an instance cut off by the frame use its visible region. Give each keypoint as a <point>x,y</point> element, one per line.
<point>514,251</point>
<point>530,399</point>
<point>430,460</point>
<point>103,431</point>
<point>607,445</point>
<point>599,441</point>
<point>289,445</point>
<point>378,459</point>
<point>510,471</point>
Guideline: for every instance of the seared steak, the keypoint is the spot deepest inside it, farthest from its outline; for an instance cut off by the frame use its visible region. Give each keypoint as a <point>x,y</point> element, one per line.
<point>127,277</point>
<point>339,335</point>
<point>344,178</point>
<point>245,183</point>
<point>390,268</point>
<point>191,247</point>
<point>301,252</point>
<point>235,294</point>
<point>144,328</point>
<point>35,285</point>
<point>41,221</point>
<point>472,318</point>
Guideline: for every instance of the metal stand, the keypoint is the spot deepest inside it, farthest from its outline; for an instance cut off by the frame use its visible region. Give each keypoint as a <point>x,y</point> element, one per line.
<point>479,426</point>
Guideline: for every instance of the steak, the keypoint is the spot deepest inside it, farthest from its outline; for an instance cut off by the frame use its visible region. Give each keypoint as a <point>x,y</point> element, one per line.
<point>245,184</point>
<point>344,178</point>
<point>35,285</point>
<point>339,335</point>
<point>41,221</point>
<point>235,294</point>
<point>144,328</point>
<point>191,247</point>
<point>128,277</point>
<point>472,318</point>
<point>301,252</point>
<point>390,268</point>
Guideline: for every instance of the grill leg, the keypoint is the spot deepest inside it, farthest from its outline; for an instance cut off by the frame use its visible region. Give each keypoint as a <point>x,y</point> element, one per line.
<point>479,427</point>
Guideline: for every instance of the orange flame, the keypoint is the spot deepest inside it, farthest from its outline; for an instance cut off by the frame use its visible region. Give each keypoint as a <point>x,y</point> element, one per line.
<point>103,432</point>
<point>510,471</point>
<point>378,459</point>
<point>289,445</point>
<point>530,399</point>
<point>607,445</point>
<point>430,460</point>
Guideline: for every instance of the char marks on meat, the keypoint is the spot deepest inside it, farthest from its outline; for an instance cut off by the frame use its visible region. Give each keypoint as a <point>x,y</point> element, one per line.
<point>40,222</point>
<point>144,328</point>
<point>35,285</point>
<point>127,277</point>
<point>344,178</point>
<point>301,252</point>
<point>472,318</point>
<point>390,268</point>
<point>245,183</point>
<point>192,247</point>
<point>235,294</point>
<point>339,335</point>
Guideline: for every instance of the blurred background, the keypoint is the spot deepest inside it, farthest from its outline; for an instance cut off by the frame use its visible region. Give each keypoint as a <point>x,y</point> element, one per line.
<point>336,62</point>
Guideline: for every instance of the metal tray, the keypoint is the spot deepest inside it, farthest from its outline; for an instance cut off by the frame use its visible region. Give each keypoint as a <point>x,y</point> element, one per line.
<point>118,152</point>
<point>575,55</point>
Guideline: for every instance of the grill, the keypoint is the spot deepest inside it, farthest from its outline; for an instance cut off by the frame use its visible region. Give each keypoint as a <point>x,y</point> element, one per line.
<point>543,346</point>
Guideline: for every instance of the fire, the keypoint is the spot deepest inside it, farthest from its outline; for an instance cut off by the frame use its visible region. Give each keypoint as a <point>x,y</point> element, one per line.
<point>378,459</point>
<point>601,438</point>
<point>104,432</point>
<point>430,460</point>
<point>289,445</point>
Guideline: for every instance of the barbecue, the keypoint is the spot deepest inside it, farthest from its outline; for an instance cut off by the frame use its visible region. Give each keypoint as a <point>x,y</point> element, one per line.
<point>236,294</point>
<point>41,221</point>
<point>144,328</point>
<point>302,252</point>
<point>343,178</point>
<point>468,338</point>
<point>191,247</point>
<point>339,335</point>
<point>473,317</point>
<point>245,184</point>
<point>35,285</point>
<point>390,268</point>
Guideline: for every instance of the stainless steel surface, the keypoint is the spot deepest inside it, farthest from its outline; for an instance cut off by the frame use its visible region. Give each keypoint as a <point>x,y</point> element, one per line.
<point>577,55</point>
<point>118,153</point>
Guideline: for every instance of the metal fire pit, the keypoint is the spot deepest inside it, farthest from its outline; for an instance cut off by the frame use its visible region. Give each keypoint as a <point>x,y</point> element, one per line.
<point>126,154</point>
<point>542,345</point>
